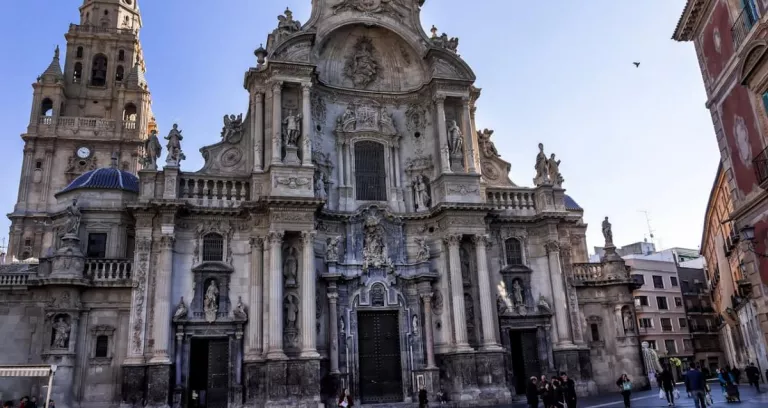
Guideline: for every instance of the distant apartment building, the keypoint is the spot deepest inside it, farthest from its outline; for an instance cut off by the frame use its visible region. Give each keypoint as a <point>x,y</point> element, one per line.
<point>702,317</point>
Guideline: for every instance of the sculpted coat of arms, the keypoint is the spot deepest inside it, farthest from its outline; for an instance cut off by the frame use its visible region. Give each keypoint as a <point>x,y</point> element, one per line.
<point>368,6</point>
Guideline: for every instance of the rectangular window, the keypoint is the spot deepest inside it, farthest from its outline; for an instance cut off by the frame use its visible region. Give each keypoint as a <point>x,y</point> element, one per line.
<point>666,324</point>
<point>658,282</point>
<point>670,346</point>
<point>370,171</point>
<point>673,280</point>
<point>652,344</point>
<point>661,302</point>
<point>595,331</point>
<point>685,286</point>
<point>645,323</point>
<point>102,346</point>
<point>641,300</point>
<point>639,278</point>
<point>687,344</point>
<point>678,302</point>
<point>683,322</point>
<point>97,245</point>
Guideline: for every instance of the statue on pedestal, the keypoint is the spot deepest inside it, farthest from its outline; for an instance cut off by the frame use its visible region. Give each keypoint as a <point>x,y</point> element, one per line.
<point>553,168</point>
<point>73,218</point>
<point>421,195</point>
<point>211,302</point>
<point>181,310</point>
<point>239,310</point>
<point>292,129</point>
<point>174,138</point>
<point>422,253</point>
<point>291,311</point>
<point>290,267</point>
<point>517,292</point>
<point>60,333</point>
<point>607,233</point>
<point>542,167</point>
<point>332,249</point>
<point>455,139</point>
<point>232,131</point>
<point>152,150</point>
<point>386,122</point>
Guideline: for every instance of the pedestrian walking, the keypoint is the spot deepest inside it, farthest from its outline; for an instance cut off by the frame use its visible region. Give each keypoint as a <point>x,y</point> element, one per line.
<point>423,402</point>
<point>557,393</point>
<point>625,387</point>
<point>698,386</point>
<point>753,376</point>
<point>345,400</point>
<point>667,384</point>
<point>532,393</point>
<point>569,390</point>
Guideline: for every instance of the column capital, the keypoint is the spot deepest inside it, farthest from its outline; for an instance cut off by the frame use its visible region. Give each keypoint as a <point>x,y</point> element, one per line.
<point>481,240</point>
<point>452,239</point>
<point>277,86</point>
<point>275,237</point>
<point>166,241</point>
<point>257,242</point>
<point>465,102</point>
<point>552,246</point>
<point>306,86</point>
<point>438,99</point>
<point>426,297</point>
<point>333,297</point>
<point>258,97</point>
<point>308,237</point>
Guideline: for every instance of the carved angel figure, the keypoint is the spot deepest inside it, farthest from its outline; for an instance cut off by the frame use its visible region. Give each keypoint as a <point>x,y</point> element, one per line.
<point>233,127</point>
<point>181,310</point>
<point>239,310</point>
<point>489,149</point>
<point>286,24</point>
<point>73,218</point>
<point>422,249</point>
<point>553,168</point>
<point>60,333</point>
<point>386,122</point>
<point>152,150</point>
<point>455,138</point>
<point>174,138</point>
<point>292,129</point>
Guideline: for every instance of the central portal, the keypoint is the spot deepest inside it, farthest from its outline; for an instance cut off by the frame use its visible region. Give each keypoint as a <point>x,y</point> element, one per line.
<point>379,355</point>
<point>525,358</point>
<point>209,373</point>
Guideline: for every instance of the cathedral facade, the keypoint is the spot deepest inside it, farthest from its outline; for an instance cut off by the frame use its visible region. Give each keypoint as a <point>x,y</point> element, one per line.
<point>354,229</point>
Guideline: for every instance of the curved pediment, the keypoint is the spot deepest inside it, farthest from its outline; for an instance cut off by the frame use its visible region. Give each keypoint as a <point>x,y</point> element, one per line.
<point>230,155</point>
<point>447,65</point>
<point>297,48</point>
<point>369,58</point>
<point>753,57</point>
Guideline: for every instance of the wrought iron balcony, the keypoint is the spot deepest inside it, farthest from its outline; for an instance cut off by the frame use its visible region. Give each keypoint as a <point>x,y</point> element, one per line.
<point>741,27</point>
<point>760,163</point>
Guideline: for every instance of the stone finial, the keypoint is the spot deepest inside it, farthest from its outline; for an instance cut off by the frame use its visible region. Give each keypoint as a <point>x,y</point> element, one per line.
<point>433,30</point>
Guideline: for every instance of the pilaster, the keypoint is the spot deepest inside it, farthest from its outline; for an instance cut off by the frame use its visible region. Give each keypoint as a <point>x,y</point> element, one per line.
<point>490,343</point>
<point>560,299</point>
<point>255,289</point>
<point>308,284</point>
<point>306,124</point>
<point>258,132</point>
<point>277,120</point>
<point>162,302</point>
<point>457,292</point>
<point>442,134</point>
<point>276,352</point>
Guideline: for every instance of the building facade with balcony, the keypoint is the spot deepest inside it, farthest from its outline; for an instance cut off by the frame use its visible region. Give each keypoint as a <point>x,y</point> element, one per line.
<point>353,229</point>
<point>703,319</point>
<point>730,41</point>
<point>661,315</point>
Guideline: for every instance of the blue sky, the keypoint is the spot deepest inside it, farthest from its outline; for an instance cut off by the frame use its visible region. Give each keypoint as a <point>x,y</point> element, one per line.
<point>560,73</point>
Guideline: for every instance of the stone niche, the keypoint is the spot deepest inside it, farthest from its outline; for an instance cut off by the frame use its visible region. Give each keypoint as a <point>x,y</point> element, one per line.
<point>370,58</point>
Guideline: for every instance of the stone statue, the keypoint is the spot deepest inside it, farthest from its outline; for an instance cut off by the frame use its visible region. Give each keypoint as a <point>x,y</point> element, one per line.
<point>455,139</point>
<point>152,150</point>
<point>542,167</point>
<point>332,249</point>
<point>629,322</point>
<point>239,310</point>
<point>73,219</point>
<point>386,122</point>
<point>422,252</point>
<point>181,310</point>
<point>290,267</point>
<point>544,305</point>
<point>361,66</point>
<point>291,310</point>
<point>415,324</point>
<point>517,292</point>
<point>607,233</point>
<point>286,24</point>
<point>211,302</point>
<point>421,195</point>
<point>320,187</point>
<point>651,360</point>
<point>233,128</point>
<point>501,304</point>
<point>61,333</point>
<point>174,138</point>
<point>342,327</point>
<point>553,168</point>
<point>292,129</point>
<point>348,120</point>
<point>484,138</point>
<point>374,248</point>
<point>464,265</point>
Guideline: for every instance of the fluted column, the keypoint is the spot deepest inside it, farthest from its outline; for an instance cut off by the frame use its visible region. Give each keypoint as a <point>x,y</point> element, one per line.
<point>428,338</point>
<point>162,317</point>
<point>306,123</point>
<point>258,131</point>
<point>469,149</point>
<point>457,292</point>
<point>442,133</point>
<point>277,121</point>
<point>340,164</point>
<point>276,296</point>
<point>308,283</point>
<point>265,298</point>
<point>254,299</point>
<point>486,302</point>
<point>333,324</point>
<point>559,297</point>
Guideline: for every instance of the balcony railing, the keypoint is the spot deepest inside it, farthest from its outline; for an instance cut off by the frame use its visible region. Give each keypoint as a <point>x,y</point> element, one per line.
<point>108,271</point>
<point>213,192</point>
<point>14,279</point>
<point>760,163</point>
<point>75,28</point>
<point>516,200</point>
<point>741,27</point>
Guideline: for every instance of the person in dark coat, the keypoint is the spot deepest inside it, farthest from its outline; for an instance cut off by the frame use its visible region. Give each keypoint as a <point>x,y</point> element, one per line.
<point>557,393</point>
<point>423,398</point>
<point>569,390</point>
<point>736,375</point>
<point>547,392</point>
<point>625,385</point>
<point>532,393</point>
<point>753,376</point>
<point>667,383</point>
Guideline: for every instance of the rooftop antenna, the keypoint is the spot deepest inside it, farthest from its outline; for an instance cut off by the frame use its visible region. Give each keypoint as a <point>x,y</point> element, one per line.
<point>650,230</point>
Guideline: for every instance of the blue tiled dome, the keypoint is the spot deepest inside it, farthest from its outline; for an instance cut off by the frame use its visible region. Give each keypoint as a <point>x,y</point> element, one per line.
<point>109,178</point>
<point>570,204</point>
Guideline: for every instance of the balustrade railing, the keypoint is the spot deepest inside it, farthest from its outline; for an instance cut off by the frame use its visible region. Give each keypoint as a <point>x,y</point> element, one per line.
<point>108,270</point>
<point>14,279</point>
<point>587,272</point>
<point>66,122</point>
<point>213,192</point>
<point>75,28</point>
<point>514,199</point>
<point>742,26</point>
<point>45,120</point>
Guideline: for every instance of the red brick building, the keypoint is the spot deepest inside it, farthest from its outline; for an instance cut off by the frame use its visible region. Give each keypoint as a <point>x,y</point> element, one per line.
<point>731,41</point>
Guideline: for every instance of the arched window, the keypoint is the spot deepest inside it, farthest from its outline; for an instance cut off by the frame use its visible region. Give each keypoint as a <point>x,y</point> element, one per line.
<point>129,112</point>
<point>213,247</point>
<point>79,53</point>
<point>99,70</point>
<point>46,108</point>
<point>514,251</point>
<point>119,73</point>
<point>370,173</point>
<point>121,55</point>
<point>77,74</point>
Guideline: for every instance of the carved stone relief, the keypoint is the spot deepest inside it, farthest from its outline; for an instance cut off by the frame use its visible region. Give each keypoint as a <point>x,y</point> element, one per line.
<point>361,65</point>
<point>291,313</point>
<point>370,7</point>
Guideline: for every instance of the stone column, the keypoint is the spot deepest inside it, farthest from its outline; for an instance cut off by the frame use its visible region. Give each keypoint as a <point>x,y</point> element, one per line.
<point>486,301</point>
<point>254,299</point>
<point>141,263</point>
<point>469,150</point>
<point>162,317</point>
<point>559,297</point>
<point>428,339</point>
<point>348,164</point>
<point>396,153</point>
<point>306,123</point>
<point>457,292</point>
<point>277,121</point>
<point>340,165</point>
<point>276,296</point>
<point>258,131</point>
<point>265,298</point>
<point>333,324</point>
<point>442,133</point>
<point>308,283</point>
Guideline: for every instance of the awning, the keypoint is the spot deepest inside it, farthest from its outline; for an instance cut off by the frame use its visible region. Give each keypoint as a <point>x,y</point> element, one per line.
<point>27,371</point>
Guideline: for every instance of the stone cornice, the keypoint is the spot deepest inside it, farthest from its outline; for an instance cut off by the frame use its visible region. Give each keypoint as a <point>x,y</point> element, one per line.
<point>693,14</point>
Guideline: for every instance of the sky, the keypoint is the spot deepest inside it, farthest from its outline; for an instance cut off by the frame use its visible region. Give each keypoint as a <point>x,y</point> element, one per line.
<point>631,140</point>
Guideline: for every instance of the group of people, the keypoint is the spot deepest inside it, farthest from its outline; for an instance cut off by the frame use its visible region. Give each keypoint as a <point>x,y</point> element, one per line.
<point>27,402</point>
<point>695,386</point>
<point>557,392</point>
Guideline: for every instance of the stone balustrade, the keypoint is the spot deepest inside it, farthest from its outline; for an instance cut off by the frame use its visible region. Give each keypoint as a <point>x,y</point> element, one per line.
<point>108,271</point>
<point>14,279</point>
<point>513,199</point>
<point>588,272</point>
<point>100,127</point>
<point>89,28</point>
<point>209,191</point>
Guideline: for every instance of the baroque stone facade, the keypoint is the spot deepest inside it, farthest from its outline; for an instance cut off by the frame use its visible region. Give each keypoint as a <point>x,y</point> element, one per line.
<point>353,229</point>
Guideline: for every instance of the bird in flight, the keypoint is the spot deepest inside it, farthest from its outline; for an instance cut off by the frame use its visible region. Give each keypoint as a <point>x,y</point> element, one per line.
<point>637,64</point>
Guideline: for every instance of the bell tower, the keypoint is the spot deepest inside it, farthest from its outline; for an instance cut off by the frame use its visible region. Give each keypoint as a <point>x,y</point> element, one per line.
<point>95,106</point>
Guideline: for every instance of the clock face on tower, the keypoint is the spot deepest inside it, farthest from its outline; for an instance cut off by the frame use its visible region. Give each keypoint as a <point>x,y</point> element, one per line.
<point>83,152</point>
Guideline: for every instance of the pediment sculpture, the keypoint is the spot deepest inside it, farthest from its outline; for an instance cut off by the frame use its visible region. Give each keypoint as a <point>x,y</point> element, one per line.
<point>547,169</point>
<point>362,66</point>
<point>375,251</point>
<point>443,41</point>
<point>363,116</point>
<point>232,132</point>
<point>369,7</point>
<point>286,25</point>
